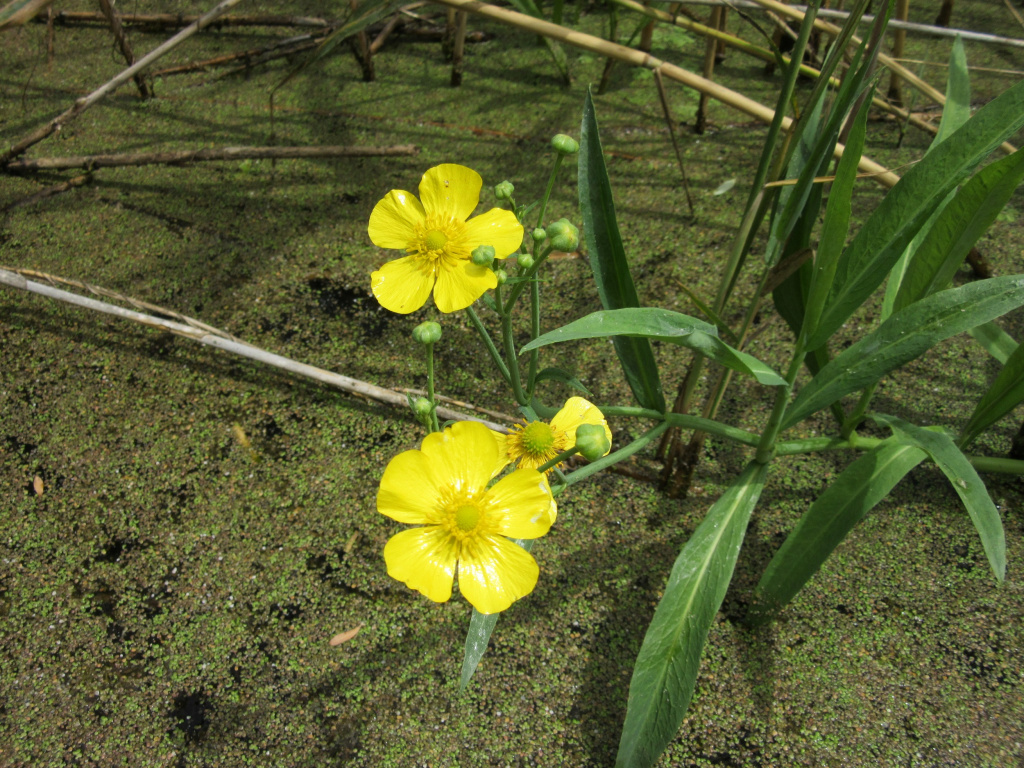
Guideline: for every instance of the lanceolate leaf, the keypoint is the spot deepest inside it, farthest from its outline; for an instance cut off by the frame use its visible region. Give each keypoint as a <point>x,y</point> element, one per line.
<point>904,336</point>
<point>965,481</point>
<point>666,326</point>
<point>868,259</point>
<point>962,222</point>
<point>608,261</point>
<point>666,669</point>
<point>995,341</point>
<point>827,522</point>
<point>1005,394</point>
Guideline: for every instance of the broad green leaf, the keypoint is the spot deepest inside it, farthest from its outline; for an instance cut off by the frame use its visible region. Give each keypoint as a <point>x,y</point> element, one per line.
<point>904,336</point>
<point>868,259</point>
<point>666,669</point>
<point>963,221</point>
<point>557,374</point>
<point>995,341</point>
<point>964,478</point>
<point>827,522</point>
<point>662,325</point>
<point>481,625</point>
<point>608,261</point>
<point>955,113</point>
<point>1005,394</point>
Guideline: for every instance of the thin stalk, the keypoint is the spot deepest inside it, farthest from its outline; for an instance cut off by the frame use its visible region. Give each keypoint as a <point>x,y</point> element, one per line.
<point>548,191</point>
<point>614,458</point>
<point>509,345</point>
<point>684,421</point>
<point>434,426</point>
<point>554,462</point>
<point>534,333</point>
<point>489,344</point>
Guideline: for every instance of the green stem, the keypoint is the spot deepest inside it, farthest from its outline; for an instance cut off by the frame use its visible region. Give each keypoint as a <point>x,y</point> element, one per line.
<point>551,463</point>
<point>766,449</point>
<point>551,186</point>
<point>617,456</point>
<point>489,344</point>
<point>527,277</point>
<point>434,425</point>
<point>513,361</point>
<point>531,383</point>
<point>854,419</point>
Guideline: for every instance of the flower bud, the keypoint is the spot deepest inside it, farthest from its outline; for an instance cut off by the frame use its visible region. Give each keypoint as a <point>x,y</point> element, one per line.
<point>539,235</point>
<point>592,441</point>
<point>427,333</point>
<point>525,260</point>
<point>483,255</point>
<point>502,276</point>
<point>564,236</point>
<point>504,190</point>
<point>565,145</point>
<point>422,408</point>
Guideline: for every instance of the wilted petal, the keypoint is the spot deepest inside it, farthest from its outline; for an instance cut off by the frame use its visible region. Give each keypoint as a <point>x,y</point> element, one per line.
<point>424,559</point>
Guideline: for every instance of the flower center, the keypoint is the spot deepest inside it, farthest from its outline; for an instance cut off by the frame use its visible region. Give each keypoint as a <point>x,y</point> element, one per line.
<point>538,438</point>
<point>467,516</point>
<point>435,240</point>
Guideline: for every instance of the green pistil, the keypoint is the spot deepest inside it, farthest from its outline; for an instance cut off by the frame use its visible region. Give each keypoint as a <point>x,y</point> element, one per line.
<point>435,240</point>
<point>538,438</point>
<point>466,517</point>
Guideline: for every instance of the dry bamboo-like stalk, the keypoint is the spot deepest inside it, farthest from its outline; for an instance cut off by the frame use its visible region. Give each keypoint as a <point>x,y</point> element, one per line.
<point>177,20</point>
<point>126,49</point>
<point>186,156</point>
<point>640,59</point>
<point>211,337</point>
<point>85,102</point>
<point>765,55</point>
<point>250,57</point>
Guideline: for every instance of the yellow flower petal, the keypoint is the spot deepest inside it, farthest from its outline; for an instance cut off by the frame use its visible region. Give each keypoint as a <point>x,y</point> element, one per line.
<point>520,504</point>
<point>460,284</point>
<point>410,490</point>
<point>423,558</point>
<point>576,412</point>
<point>403,285</point>
<point>450,190</point>
<point>496,228</point>
<point>394,219</point>
<point>466,450</point>
<point>496,574</point>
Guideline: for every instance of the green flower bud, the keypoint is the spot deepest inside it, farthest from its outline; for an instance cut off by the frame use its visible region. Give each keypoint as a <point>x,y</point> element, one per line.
<point>539,235</point>
<point>483,255</point>
<point>422,408</point>
<point>504,190</point>
<point>564,236</point>
<point>427,333</point>
<point>566,145</point>
<point>502,276</point>
<point>592,441</point>
<point>525,260</point>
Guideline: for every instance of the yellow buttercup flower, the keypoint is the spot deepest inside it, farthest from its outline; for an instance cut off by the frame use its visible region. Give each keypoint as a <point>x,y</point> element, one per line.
<point>465,525</point>
<point>439,241</point>
<point>536,443</point>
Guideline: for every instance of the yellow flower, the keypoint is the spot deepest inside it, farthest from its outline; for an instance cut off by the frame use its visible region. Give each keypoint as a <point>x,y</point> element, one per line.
<point>535,443</point>
<point>439,241</point>
<point>443,488</point>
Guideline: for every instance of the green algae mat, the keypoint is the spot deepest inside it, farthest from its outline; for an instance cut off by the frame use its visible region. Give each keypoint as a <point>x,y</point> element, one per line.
<point>183,532</point>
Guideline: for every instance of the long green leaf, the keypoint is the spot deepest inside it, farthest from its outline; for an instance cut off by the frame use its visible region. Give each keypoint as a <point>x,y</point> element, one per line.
<point>481,625</point>
<point>955,113</point>
<point>608,261</point>
<point>662,325</point>
<point>1005,394</point>
<point>995,341</point>
<point>827,522</point>
<point>666,669</point>
<point>18,12</point>
<point>904,336</point>
<point>965,481</point>
<point>868,259</point>
<point>963,221</point>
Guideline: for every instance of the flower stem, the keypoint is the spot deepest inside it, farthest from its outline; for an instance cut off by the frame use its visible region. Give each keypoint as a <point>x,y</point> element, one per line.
<point>489,344</point>
<point>617,456</point>
<point>434,425</point>
<point>513,361</point>
<point>547,192</point>
<point>554,462</point>
<point>684,421</point>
